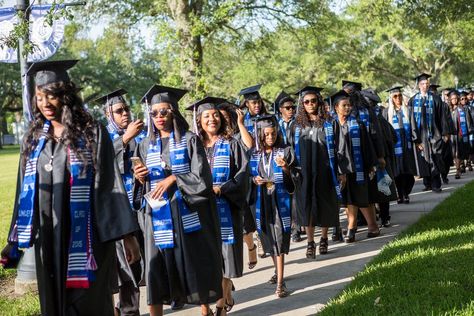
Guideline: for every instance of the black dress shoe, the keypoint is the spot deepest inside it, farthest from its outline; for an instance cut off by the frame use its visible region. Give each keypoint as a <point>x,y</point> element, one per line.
<point>385,224</point>
<point>401,201</point>
<point>426,189</point>
<point>445,181</point>
<point>176,305</point>
<point>407,200</point>
<point>437,190</point>
<point>457,176</point>
<point>296,237</point>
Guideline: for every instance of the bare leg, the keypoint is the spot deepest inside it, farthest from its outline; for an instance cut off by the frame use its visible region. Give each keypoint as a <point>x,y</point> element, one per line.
<point>351,212</point>
<point>280,267</point>
<point>248,239</point>
<point>205,309</point>
<point>369,214</point>
<point>156,310</point>
<point>310,233</point>
<point>324,232</point>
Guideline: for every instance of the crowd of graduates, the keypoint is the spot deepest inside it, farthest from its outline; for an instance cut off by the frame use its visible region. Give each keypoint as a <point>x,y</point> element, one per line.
<point>111,209</point>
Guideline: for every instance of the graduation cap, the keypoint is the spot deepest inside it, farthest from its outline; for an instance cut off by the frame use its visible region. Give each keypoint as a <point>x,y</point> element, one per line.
<point>370,94</point>
<point>422,76</point>
<point>158,94</point>
<point>434,86</point>
<point>208,103</point>
<point>282,98</point>
<point>394,89</point>
<point>453,91</point>
<point>352,85</point>
<point>463,93</point>
<point>309,90</point>
<point>341,94</point>
<point>251,93</point>
<point>47,72</point>
<point>112,98</point>
<point>264,122</point>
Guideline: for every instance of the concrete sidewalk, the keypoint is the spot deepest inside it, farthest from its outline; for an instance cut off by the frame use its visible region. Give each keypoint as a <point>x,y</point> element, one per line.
<point>314,282</point>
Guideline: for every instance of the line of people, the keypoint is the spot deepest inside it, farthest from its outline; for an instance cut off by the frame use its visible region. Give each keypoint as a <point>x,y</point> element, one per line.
<point>90,198</point>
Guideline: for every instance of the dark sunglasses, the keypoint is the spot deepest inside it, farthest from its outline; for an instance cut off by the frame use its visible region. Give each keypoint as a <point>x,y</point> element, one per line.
<point>463,98</point>
<point>397,96</point>
<point>161,113</point>
<point>308,101</point>
<point>122,110</point>
<point>289,108</point>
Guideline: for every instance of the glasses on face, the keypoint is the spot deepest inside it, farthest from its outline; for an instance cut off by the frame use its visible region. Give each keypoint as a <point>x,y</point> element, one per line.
<point>122,110</point>
<point>289,108</point>
<point>397,96</point>
<point>463,98</point>
<point>310,101</point>
<point>160,112</point>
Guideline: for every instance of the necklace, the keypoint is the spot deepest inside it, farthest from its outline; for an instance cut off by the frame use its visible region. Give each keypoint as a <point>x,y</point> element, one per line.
<point>49,166</point>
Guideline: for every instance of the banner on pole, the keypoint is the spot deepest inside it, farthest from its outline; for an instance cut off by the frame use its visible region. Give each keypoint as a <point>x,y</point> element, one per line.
<point>45,38</point>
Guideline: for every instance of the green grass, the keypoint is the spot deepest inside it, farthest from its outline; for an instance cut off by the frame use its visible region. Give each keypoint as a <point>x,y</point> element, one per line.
<point>427,270</point>
<point>11,304</point>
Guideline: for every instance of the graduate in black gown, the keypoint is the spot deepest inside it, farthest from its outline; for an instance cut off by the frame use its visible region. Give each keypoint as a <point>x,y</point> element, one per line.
<point>183,257</point>
<point>316,196</point>
<point>359,165</point>
<point>432,133</point>
<point>273,172</point>
<point>125,136</point>
<point>229,166</point>
<point>71,203</point>
<point>447,150</point>
<point>255,108</point>
<point>399,115</point>
<point>463,126</point>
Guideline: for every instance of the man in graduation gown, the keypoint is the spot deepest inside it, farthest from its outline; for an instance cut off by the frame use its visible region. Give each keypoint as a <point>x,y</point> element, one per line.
<point>433,132</point>
<point>125,136</point>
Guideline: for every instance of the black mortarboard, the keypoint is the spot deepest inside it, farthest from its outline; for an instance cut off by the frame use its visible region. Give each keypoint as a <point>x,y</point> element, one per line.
<point>251,93</point>
<point>309,89</point>
<point>282,98</point>
<point>338,96</point>
<point>356,86</point>
<point>394,89</point>
<point>422,76</point>
<point>207,103</point>
<point>453,91</point>
<point>158,94</point>
<point>266,121</point>
<point>463,93</point>
<point>112,97</point>
<point>47,72</point>
<point>370,94</point>
<point>434,86</point>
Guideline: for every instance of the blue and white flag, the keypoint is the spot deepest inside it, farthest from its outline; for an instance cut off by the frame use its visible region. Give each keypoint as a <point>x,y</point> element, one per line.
<point>45,38</point>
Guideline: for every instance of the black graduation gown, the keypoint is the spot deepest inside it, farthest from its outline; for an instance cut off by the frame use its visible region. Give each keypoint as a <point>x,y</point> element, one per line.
<point>234,191</point>
<point>461,149</point>
<point>430,161</point>
<point>316,198</point>
<point>404,164</point>
<point>353,192</point>
<point>112,219</point>
<point>192,270</point>
<point>126,272</point>
<point>275,240</point>
<point>389,138</point>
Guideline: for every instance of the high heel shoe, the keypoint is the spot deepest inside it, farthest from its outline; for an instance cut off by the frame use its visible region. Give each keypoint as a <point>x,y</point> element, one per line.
<point>350,237</point>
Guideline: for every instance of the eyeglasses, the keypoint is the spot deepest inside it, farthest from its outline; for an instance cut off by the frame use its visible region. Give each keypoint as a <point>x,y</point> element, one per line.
<point>397,96</point>
<point>312,101</point>
<point>161,113</point>
<point>289,108</point>
<point>463,98</point>
<point>122,110</point>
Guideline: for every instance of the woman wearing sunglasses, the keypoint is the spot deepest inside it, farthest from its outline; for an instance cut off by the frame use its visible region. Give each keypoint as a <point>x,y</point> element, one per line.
<point>399,115</point>
<point>316,201</point>
<point>183,259</point>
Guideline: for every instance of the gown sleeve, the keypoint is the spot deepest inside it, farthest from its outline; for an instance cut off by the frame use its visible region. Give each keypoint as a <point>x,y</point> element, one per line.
<point>196,185</point>
<point>234,190</point>
<point>343,153</point>
<point>119,153</point>
<point>291,179</point>
<point>113,215</point>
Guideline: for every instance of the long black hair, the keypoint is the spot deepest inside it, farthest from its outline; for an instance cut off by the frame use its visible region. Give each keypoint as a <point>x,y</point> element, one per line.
<point>79,126</point>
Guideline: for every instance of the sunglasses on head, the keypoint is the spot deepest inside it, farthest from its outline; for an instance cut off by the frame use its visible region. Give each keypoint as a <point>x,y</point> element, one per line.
<point>292,107</point>
<point>122,110</point>
<point>312,101</point>
<point>161,113</point>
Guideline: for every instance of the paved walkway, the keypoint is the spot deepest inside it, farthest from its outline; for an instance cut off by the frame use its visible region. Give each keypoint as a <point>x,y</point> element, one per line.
<point>314,282</point>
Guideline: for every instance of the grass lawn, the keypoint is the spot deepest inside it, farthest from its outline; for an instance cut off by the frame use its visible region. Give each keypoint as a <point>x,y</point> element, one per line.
<point>10,304</point>
<point>427,270</point>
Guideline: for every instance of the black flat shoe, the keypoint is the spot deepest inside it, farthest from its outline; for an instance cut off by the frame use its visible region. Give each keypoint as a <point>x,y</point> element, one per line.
<point>373,234</point>
<point>400,201</point>
<point>407,200</point>
<point>426,189</point>
<point>437,190</point>
<point>386,224</point>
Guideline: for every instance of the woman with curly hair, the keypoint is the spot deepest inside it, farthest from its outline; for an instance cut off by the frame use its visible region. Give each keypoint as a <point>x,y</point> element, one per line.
<point>316,201</point>
<point>228,162</point>
<point>71,203</point>
<point>183,257</point>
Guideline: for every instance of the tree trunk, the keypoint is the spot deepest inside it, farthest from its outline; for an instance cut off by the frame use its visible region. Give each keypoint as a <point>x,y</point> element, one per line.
<point>183,12</point>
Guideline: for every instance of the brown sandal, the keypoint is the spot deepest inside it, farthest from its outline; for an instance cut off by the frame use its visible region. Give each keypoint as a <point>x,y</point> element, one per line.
<point>323,246</point>
<point>281,290</point>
